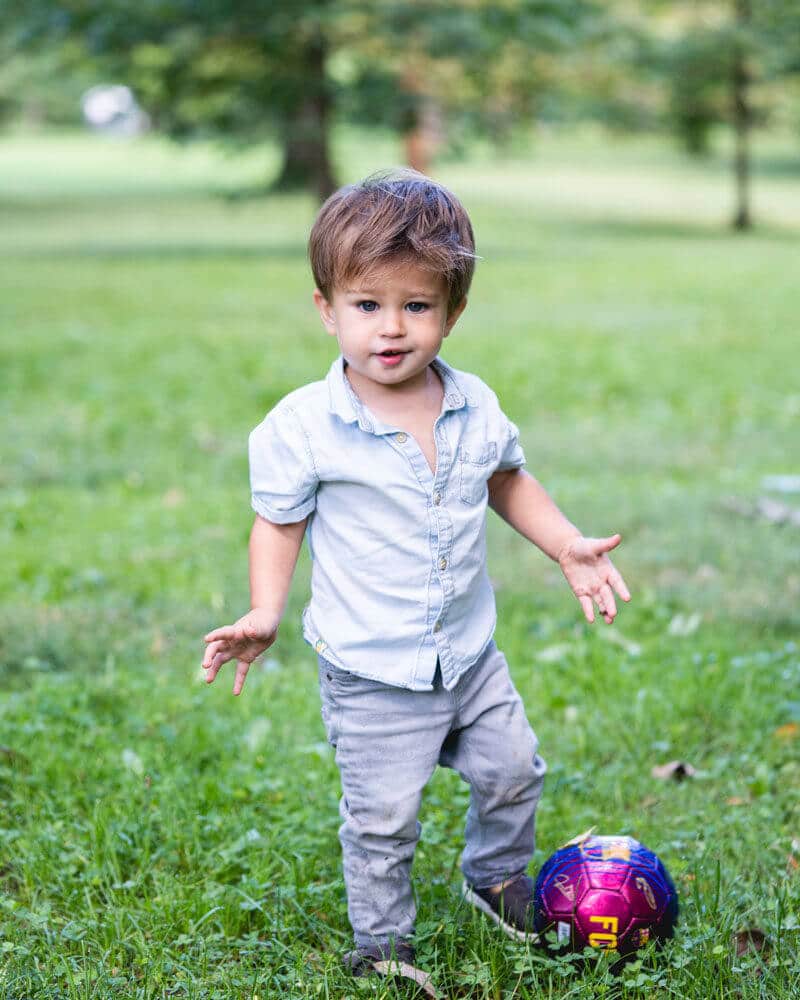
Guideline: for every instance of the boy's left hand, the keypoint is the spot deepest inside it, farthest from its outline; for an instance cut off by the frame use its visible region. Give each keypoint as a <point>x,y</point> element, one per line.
<point>592,575</point>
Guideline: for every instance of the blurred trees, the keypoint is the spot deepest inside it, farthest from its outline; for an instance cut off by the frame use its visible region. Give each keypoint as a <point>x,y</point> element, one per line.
<point>431,70</point>
<point>283,67</point>
<point>720,60</point>
<point>206,67</point>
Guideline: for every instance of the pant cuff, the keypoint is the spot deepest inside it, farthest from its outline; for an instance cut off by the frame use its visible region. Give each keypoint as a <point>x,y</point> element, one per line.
<point>481,881</point>
<point>382,940</point>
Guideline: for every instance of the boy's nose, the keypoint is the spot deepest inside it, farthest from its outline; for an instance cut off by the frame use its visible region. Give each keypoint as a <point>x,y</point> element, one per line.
<point>392,322</point>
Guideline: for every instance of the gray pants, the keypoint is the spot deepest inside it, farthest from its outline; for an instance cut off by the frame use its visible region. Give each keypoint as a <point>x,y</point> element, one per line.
<point>388,741</point>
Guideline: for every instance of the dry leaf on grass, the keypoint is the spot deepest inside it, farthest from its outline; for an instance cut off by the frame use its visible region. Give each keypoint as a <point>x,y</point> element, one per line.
<point>174,497</point>
<point>676,770</point>
<point>749,940</point>
<point>422,979</point>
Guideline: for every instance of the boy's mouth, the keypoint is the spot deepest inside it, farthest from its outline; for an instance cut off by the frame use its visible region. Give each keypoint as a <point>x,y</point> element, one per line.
<point>391,357</point>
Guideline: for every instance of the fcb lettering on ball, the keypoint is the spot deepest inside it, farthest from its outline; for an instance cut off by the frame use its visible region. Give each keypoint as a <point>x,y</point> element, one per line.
<point>605,892</point>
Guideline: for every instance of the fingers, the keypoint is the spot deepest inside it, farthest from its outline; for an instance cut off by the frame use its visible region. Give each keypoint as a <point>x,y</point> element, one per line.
<point>606,544</point>
<point>606,604</point>
<point>618,584</point>
<point>227,632</point>
<point>242,666</point>
<point>222,649</point>
<point>214,664</point>
<point>211,649</point>
<point>210,656</point>
<point>217,653</point>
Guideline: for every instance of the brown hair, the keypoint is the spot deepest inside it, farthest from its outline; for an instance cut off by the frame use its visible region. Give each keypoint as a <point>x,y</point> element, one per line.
<point>395,215</point>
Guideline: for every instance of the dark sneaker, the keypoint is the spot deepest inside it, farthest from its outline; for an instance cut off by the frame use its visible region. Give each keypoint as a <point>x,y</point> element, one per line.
<point>511,908</point>
<point>393,959</point>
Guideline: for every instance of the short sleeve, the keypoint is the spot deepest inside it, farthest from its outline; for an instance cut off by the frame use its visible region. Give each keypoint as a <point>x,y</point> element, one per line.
<point>510,450</point>
<point>283,479</point>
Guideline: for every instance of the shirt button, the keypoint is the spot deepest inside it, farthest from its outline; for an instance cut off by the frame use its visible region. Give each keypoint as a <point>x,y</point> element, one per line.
<point>437,498</point>
<point>437,627</point>
<point>401,438</point>
<point>442,564</point>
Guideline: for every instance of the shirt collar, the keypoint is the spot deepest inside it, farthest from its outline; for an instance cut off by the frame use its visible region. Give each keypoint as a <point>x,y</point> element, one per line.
<point>342,400</point>
<point>344,403</point>
<point>454,396</point>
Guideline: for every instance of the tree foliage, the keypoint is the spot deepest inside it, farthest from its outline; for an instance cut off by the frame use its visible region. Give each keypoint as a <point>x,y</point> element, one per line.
<point>428,69</point>
<point>477,65</point>
<point>204,67</point>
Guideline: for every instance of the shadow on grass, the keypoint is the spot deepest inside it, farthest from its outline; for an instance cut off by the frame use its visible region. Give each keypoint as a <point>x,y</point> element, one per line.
<point>78,201</point>
<point>778,166</point>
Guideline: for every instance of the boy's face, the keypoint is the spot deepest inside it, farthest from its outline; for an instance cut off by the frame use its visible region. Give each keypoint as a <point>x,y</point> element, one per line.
<point>389,324</point>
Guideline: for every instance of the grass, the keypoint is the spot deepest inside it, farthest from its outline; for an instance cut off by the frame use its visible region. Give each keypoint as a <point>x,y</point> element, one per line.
<point>159,838</point>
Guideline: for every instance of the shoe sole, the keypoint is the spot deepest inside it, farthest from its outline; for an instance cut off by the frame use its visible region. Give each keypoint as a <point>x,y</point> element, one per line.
<point>480,904</point>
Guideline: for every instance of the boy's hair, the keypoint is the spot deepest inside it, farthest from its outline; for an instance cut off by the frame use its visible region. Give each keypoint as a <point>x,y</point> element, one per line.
<point>395,215</point>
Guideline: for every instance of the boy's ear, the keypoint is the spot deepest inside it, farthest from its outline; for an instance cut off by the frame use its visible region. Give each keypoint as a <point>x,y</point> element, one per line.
<point>325,310</point>
<point>453,316</point>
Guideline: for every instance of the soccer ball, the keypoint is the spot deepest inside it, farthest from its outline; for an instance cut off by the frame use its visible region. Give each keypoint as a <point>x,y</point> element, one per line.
<point>606,892</point>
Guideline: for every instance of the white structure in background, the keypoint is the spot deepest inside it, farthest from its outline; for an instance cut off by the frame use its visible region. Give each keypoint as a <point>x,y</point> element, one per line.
<point>112,109</point>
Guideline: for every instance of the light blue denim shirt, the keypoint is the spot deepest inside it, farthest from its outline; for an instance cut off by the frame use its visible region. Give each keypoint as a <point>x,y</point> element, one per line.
<point>399,574</point>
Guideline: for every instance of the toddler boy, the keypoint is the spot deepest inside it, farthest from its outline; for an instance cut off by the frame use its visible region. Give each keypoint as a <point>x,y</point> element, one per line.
<point>387,465</point>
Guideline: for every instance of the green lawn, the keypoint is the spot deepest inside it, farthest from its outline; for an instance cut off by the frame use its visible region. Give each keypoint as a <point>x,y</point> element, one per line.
<point>159,838</point>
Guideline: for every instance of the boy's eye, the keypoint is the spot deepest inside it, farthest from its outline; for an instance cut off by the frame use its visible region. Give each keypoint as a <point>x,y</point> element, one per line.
<point>417,307</point>
<point>368,305</point>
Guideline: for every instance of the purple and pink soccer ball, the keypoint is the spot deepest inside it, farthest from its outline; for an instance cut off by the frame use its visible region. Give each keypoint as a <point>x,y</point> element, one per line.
<point>605,892</point>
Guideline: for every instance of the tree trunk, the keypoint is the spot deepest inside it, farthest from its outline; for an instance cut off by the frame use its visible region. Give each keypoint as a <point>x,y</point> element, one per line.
<point>742,119</point>
<point>422,122</point>
<point>306,162</point>
<point>422,141</point>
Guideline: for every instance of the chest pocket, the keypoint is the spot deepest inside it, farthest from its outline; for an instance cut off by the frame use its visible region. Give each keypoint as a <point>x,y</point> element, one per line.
<point>475,461</point>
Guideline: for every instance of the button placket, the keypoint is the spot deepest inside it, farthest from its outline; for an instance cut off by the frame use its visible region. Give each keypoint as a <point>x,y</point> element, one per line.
<point>444,535</point>
<point>405,445</point>
<point>441,546</point>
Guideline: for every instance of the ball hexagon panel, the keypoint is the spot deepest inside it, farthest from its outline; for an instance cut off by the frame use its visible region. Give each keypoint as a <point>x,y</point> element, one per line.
<point>606,874</point>
<point>646,895</point>
<point>602,918</point>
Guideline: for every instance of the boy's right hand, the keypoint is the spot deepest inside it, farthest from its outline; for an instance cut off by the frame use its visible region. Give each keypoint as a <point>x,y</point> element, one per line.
<point>243,641</point>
